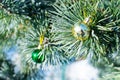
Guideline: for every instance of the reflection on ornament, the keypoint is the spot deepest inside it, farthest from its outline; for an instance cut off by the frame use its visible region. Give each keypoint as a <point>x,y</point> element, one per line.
<point>37,57</point>
<point>81,31</point>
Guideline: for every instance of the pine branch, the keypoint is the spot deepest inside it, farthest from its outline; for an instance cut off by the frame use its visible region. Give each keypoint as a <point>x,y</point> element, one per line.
<point>31,8</point>
<point>53,56</point>
<point>104,20</point>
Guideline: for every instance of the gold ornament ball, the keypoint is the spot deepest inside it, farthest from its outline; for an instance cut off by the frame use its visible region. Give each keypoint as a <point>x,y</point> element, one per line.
<point>81,31</point>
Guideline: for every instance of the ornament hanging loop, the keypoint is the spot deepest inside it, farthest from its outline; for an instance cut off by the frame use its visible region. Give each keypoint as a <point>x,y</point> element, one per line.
<point>41,41</point>
<point>87,20</point>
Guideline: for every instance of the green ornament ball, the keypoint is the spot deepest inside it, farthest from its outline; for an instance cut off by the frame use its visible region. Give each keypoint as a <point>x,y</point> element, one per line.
<point>37,57</point>
<point>81,31</point>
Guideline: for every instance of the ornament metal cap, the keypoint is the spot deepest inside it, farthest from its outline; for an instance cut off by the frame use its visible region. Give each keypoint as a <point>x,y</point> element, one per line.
<point>87,20</point>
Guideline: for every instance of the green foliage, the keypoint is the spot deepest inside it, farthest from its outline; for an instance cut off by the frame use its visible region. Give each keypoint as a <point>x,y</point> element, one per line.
<point>12,27</point>
<point>103,39</point>
<point>31,42</point>
<point>31,8</point>
<point>24,21</point>
<point>102,46</point>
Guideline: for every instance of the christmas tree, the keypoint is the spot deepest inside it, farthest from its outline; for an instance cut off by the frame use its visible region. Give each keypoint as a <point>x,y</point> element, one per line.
<point>38,37</point>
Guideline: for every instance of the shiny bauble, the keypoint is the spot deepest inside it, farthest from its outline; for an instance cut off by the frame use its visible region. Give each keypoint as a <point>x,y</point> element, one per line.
<point>37,57</point>
<point>81,31</point>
